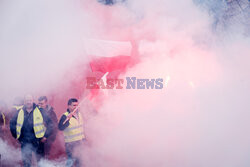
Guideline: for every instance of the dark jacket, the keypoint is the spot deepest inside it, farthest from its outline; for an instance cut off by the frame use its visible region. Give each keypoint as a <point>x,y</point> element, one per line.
<point>52,115</point>
<point>27,131</point>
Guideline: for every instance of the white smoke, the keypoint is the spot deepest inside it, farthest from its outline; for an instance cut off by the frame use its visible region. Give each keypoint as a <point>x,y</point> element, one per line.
<point>39,42</point>
<point>9,154</point>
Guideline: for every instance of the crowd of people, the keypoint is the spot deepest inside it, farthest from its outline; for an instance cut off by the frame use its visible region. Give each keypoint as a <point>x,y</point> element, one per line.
<point>35,127</point>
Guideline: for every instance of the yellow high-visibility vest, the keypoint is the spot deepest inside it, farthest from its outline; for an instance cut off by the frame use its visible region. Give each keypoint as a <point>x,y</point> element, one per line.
<point>38,124</point>
<point>74,132</point>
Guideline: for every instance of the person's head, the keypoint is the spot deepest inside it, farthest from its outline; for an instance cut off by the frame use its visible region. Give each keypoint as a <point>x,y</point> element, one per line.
<point>28,101</point>
<point>72,104</point>
<point>42,102</point>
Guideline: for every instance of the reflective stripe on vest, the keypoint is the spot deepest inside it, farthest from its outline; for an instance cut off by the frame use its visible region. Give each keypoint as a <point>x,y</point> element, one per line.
<point>38,124</point>
<point>74,131</point>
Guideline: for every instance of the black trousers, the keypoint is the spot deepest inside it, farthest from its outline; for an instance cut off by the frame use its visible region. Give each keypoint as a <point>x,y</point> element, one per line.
<point>72,158</point>
<point>27,148</point>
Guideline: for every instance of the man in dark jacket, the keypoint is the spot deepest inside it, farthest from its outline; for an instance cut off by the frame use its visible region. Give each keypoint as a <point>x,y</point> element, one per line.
<point>43,104</point>
<point>28,127</point>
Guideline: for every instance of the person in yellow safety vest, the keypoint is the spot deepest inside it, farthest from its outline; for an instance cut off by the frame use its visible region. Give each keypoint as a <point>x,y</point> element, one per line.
<point>31,127</point>
<point>72,126</point>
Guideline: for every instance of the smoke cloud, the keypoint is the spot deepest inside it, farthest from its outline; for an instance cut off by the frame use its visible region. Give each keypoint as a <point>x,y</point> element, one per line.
<point>199,118</point>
